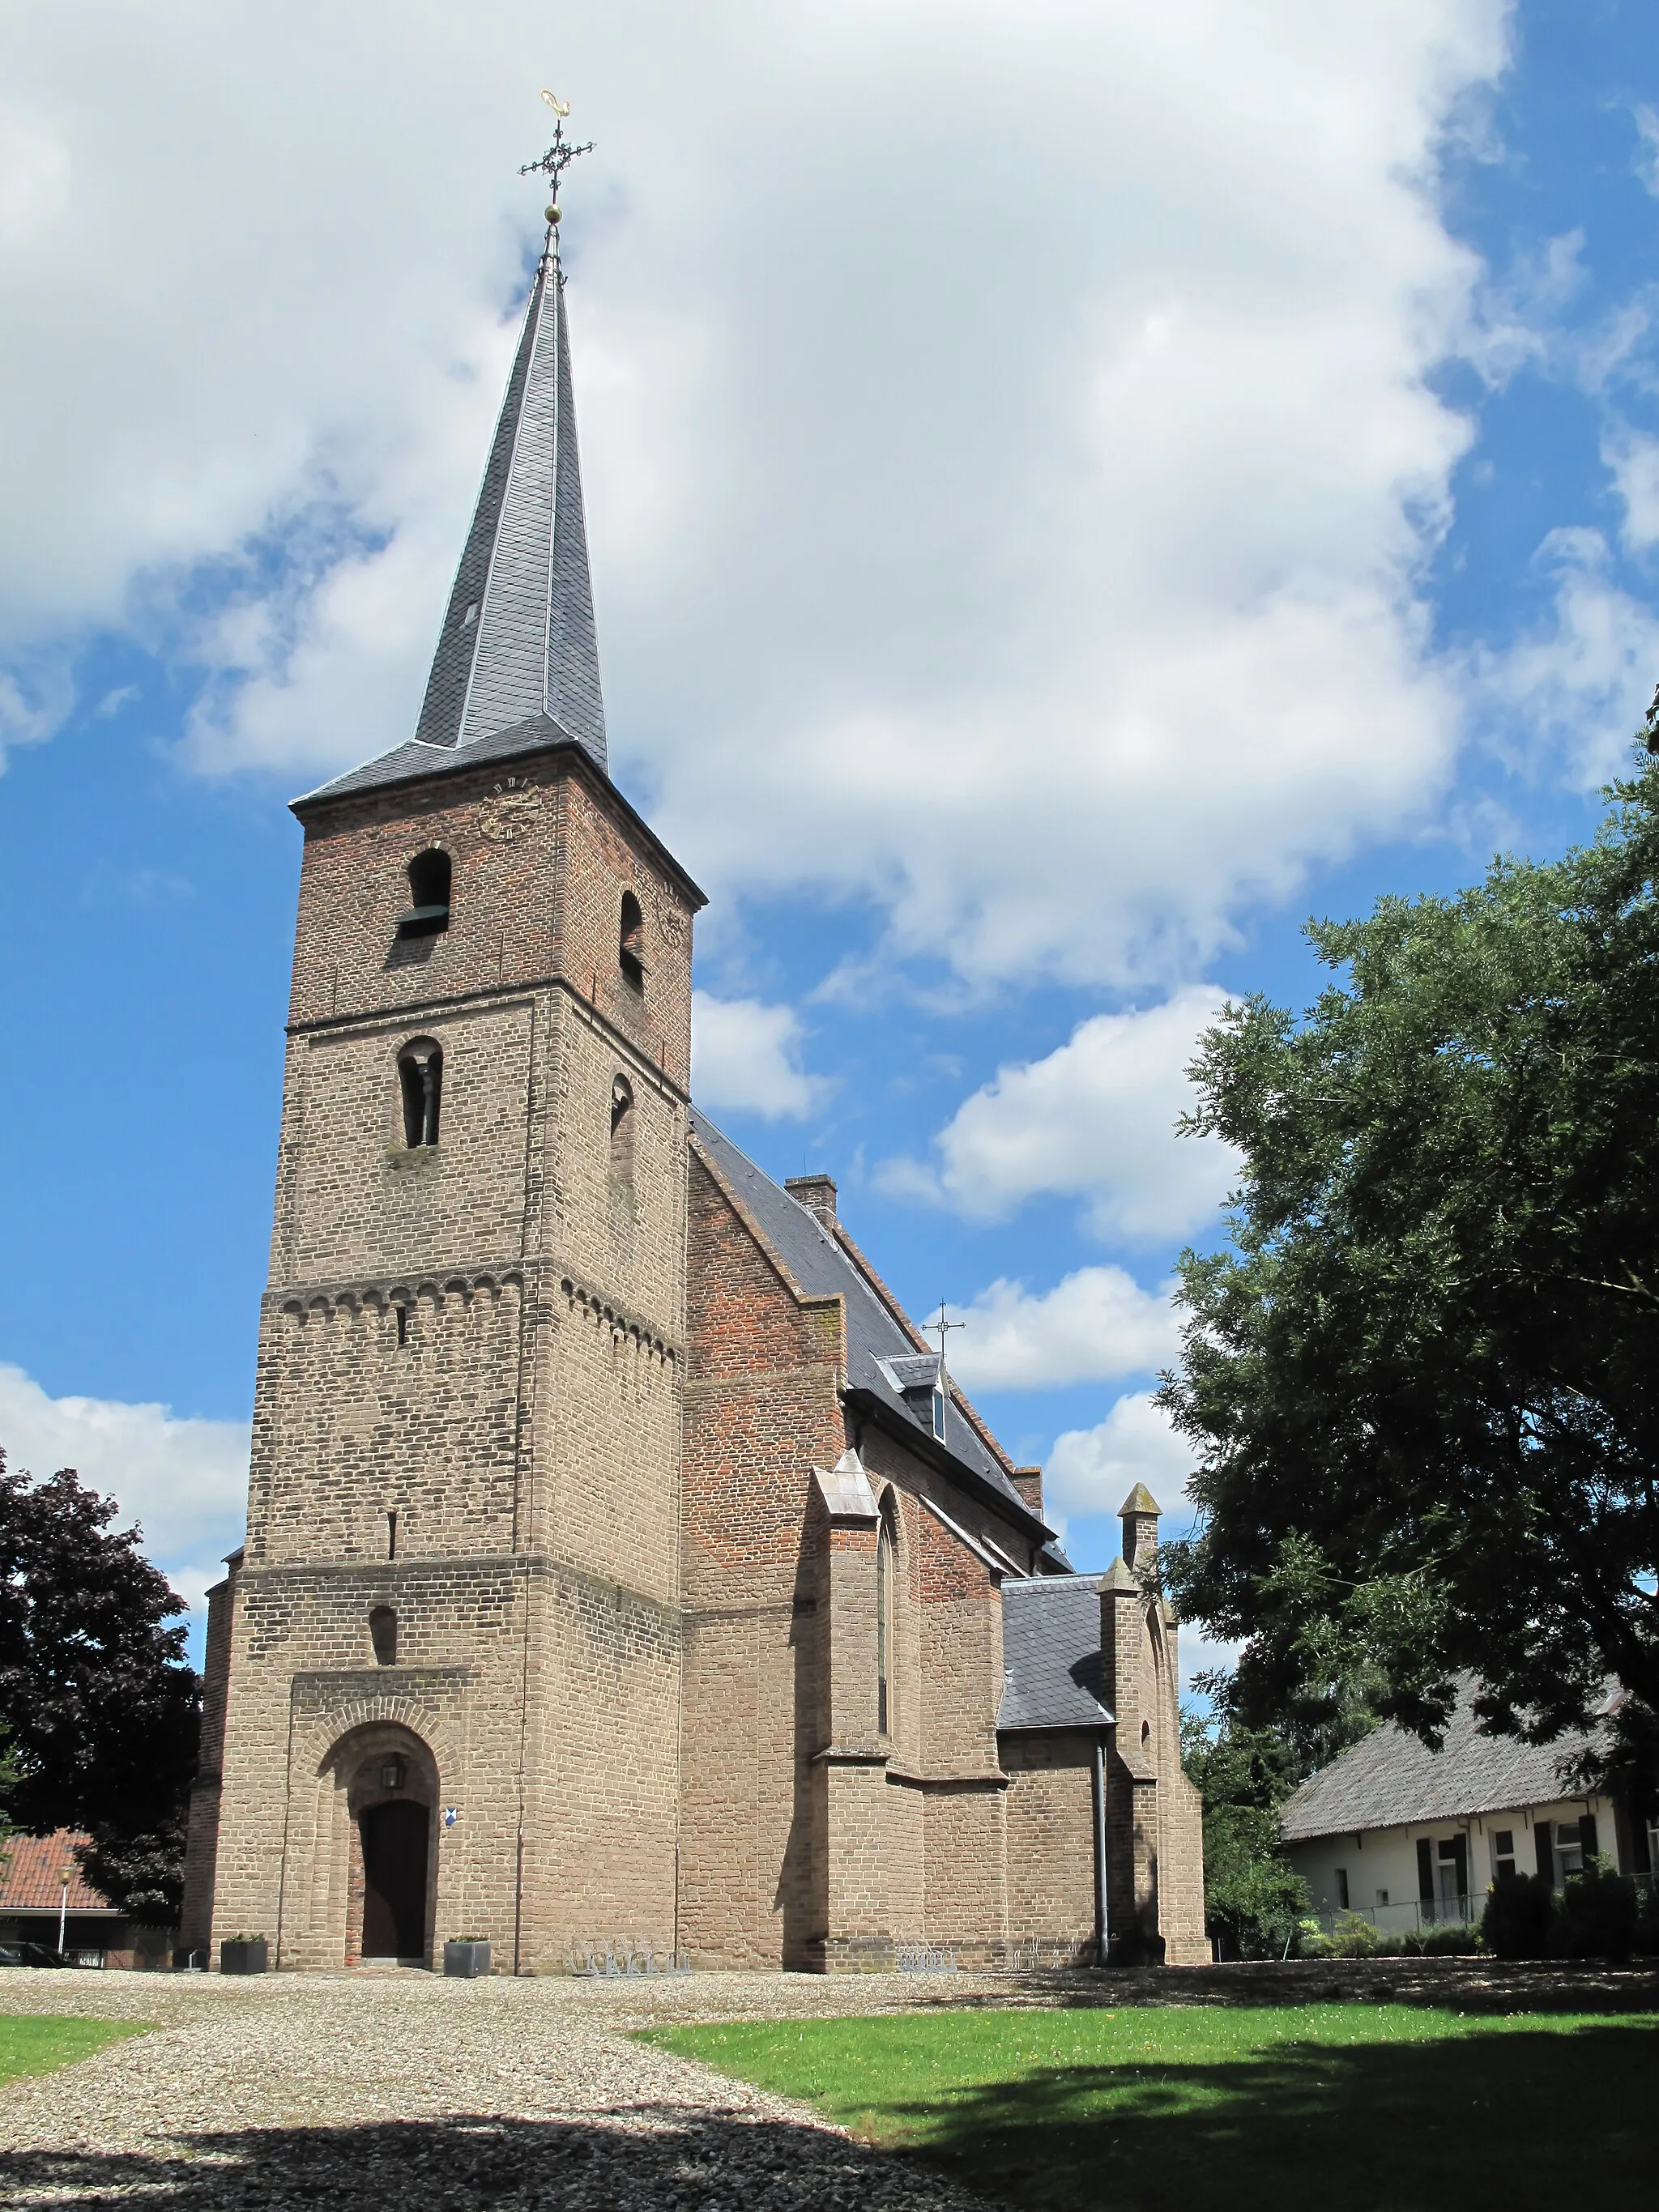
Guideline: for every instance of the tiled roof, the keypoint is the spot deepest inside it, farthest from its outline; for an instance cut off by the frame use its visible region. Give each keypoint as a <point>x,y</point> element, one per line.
<point>1391,1779</point>
<point>821,1265</point>
<point>32,1879</point>
<point>1051,1653</point>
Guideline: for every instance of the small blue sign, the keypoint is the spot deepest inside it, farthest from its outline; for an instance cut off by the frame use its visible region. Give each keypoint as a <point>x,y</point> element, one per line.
<point>450,1816</point>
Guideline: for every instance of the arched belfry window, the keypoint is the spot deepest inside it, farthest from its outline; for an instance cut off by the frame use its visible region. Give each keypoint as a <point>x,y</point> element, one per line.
<point>429,896</point>
<point>630,951</point>
<point>885,1620</point>
<point>622,1130</point>
<point>421,1080</point>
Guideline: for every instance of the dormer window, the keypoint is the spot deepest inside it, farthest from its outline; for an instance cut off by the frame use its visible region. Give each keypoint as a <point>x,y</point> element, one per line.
<point>630,951</point>
<point>428,913</point>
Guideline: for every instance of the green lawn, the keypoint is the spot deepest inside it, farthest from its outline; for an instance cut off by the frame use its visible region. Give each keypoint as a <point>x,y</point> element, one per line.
<point>39,2043</point>
<point>1304,2108</point>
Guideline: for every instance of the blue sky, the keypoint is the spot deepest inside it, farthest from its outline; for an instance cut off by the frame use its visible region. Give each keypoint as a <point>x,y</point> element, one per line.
<point>1074,491</point>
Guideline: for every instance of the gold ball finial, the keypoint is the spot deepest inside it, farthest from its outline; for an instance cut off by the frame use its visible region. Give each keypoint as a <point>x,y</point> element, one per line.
<point>552,211</point>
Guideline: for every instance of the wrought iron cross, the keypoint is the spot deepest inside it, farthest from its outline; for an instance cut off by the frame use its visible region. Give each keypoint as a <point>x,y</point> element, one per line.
<point>944,1327</point>
<point>561,154</point>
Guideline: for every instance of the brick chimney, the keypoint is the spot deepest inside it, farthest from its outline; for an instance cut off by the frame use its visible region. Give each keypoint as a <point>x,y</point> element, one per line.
<point>1028,1481</point>
<point>816,1191</point>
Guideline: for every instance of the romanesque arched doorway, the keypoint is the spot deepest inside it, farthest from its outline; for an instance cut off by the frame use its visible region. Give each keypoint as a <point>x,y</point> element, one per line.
<point>386,1784</point>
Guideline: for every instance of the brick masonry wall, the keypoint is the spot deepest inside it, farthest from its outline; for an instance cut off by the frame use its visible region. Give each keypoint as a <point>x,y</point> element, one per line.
<point>486,1338</point>
<point>762,1408</point>
<point>1051,1844</point>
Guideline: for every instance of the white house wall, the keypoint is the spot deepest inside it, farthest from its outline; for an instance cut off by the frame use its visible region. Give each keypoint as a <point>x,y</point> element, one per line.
<point>1380,1864</point>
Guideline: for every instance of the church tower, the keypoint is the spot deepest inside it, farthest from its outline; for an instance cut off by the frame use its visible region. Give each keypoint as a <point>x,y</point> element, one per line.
<point>443,1672</point>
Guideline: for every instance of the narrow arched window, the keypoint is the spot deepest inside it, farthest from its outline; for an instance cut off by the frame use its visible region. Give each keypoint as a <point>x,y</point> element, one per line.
<point>383,1635</point>
<point>429,896</point>
<point>630,951</point>
<point>622,1130</point>
<point>884,1622</point>
<point>421,1080</point>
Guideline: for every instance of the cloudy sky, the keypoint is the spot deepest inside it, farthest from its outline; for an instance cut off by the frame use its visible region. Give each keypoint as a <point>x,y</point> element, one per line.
<point>1075,486</point>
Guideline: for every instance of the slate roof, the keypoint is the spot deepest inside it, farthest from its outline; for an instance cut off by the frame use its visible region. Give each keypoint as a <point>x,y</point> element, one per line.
<point>1051,1653</point>
<point>1391,1779</point>
<point>517,661</point>
<point>822,1266</point>
<point>31,1881</point>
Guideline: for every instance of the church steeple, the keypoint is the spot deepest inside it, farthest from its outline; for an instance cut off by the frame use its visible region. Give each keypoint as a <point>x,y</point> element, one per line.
<point>518,640</point>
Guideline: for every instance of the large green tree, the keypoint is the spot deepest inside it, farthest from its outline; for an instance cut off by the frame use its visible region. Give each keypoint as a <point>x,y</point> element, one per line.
<point>101,1710</point>
<point>1423,1377</point>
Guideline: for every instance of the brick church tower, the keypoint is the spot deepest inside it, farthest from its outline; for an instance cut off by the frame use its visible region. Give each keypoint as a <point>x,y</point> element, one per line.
<point>443,1672</point>
<point>622,1561</point>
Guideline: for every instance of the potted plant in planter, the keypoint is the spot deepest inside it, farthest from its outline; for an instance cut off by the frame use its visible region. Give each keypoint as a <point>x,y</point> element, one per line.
<point>244,1954</point>
<point>467,1956</point>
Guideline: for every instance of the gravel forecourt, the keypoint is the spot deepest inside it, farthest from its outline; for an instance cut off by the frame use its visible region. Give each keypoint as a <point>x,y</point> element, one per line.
<point>279,2090</point>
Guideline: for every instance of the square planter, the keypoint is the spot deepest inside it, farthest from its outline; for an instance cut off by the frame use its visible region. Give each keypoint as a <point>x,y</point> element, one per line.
<point>248,1954</point>
<point>466,1961</point>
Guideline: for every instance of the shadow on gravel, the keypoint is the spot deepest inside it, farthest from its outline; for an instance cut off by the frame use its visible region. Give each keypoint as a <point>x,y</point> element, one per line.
<point>684,2162</point>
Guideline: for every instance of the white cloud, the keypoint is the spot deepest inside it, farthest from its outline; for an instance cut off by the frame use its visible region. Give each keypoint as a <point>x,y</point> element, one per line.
<point>184,1481</point>
<point>746,1058</point>
<point>1579,680</point>
<point>1645,159</point>
<point>1633,457</point>
<point>1059,598</point>
<point>1093,1470</point>
<point>1096,1323</point>
<point>1096,1120</point>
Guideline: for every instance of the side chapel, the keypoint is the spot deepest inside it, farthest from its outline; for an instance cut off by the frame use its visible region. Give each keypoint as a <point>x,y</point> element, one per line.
<point>621,1563</point>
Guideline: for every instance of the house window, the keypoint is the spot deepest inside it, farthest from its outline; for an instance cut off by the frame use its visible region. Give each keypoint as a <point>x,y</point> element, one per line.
<point>884,1623</point>
<point>1451,1876</point>
<point>421,1080</point>
<point>1569,1850</point>
<point>1342,1889</point>
<point>428,913</point>
<point>1381,1896</point>
<point>383,1635</point>
<point>1503,1855</point>
<point>630,951</point>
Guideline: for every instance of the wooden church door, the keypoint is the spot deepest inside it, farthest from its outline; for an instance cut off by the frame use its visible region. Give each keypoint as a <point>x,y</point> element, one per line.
<point>395,1838</point>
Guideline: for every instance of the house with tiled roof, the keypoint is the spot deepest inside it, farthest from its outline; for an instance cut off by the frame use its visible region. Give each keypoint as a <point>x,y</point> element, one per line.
<point>46,1904</point>
<point>1409,1837</point>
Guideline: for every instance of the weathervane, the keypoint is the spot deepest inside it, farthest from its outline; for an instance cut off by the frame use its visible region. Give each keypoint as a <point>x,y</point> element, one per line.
<point>554,163</point>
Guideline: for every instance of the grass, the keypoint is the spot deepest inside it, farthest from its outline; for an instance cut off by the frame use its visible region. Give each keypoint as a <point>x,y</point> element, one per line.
<point>39,2043</point>
<point>1331,2107</point>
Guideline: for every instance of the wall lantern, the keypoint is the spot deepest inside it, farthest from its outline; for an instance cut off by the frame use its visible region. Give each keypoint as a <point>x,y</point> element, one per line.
<point>391,1773</point>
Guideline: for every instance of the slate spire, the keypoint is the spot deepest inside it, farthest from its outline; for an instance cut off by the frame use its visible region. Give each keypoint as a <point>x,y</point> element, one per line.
<point>518,640</point>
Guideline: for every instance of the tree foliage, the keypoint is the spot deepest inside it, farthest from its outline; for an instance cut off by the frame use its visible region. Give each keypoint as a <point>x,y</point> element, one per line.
<point>102,1710</point>
<point>1253,1899</point>
<point>1424,1378</point>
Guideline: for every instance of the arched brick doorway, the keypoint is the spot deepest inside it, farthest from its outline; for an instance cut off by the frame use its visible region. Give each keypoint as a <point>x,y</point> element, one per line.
<point>385,1789</point>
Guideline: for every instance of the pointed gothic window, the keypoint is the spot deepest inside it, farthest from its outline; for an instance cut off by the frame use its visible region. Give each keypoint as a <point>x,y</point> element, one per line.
<point>885,1620</point>
<point>622,1131</point>
<point>420,1079</point>
<point>630,951</point>
<point>429,894</point>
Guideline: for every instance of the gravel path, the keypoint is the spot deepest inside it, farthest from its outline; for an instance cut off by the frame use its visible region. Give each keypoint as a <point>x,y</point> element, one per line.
<point>256,2095</point>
